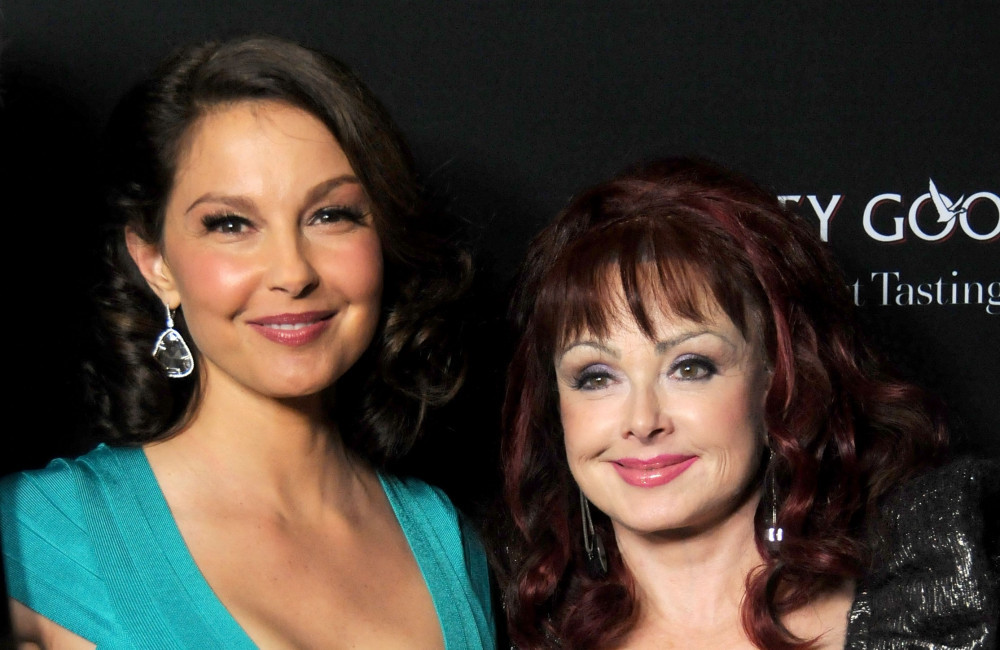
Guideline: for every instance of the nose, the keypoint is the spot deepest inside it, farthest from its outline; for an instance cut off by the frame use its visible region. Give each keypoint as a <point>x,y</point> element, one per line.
<point>646,417</point>
<point>290,269</point>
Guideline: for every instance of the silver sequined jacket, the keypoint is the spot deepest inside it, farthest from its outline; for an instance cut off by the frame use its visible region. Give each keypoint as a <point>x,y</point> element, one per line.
<point>934,583</point>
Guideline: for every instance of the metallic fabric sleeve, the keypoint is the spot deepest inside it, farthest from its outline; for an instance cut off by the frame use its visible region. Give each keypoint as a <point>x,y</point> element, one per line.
<point>934,580</point>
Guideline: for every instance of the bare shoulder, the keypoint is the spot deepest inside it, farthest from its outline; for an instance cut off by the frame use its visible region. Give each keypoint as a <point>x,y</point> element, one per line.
<point>825,618</point>
<point>33,631</point>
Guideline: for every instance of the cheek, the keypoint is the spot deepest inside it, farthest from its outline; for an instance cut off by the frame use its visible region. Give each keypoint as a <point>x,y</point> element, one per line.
<point>587,430</point>
<point>220,282</point>
<point>739,418</point>
<point>357,268</point>
<point>720,421</point>
<point>568,416</point>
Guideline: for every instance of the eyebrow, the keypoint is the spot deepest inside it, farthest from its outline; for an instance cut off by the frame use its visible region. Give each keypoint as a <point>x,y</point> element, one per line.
<point>245,204</point>
<point>661,346</point>
<point>324,188</point>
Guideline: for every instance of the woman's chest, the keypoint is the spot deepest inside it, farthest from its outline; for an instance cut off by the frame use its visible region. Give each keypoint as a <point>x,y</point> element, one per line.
<point>320,587</point>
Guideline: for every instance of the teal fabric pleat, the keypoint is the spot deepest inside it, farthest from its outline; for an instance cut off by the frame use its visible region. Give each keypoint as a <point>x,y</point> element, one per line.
<point>159,595</point>
<point>459,588</point>
<point>48,554</point>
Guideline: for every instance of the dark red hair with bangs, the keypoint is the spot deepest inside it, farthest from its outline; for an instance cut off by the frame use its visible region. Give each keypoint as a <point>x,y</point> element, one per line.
<point>842,431</point>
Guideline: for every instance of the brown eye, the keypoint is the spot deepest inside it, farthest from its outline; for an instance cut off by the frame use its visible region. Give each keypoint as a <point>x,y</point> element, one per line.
<point>227,224</point>
<point>692,369</point>
<point>337,214</point>
<point>593,379</point>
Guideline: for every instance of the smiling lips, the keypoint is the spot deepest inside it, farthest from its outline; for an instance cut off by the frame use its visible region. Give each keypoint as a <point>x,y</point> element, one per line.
<point>652,472</point>
<point>293,329</point>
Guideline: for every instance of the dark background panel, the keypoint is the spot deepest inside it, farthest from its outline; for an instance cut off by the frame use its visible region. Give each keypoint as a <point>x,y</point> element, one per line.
<point>513,107</point>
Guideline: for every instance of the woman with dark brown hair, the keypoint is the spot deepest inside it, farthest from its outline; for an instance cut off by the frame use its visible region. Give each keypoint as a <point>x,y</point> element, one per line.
<point>702,452</point>
<point>277,320</point>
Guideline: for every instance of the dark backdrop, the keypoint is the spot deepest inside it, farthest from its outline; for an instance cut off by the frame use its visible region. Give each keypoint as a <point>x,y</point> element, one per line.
<point>510,109</point>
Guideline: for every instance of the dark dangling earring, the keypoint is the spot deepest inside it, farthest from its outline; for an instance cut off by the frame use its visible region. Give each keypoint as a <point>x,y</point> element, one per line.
<point>597,558</point>
<point>171,350</point>
<point>774,533</point>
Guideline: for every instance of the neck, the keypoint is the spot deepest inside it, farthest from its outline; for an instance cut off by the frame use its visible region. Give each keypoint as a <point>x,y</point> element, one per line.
<point>283,455</point>
<point>695,579</point>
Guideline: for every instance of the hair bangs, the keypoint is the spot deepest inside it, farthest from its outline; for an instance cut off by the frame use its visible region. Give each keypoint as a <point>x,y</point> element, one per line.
<point>635,269</point>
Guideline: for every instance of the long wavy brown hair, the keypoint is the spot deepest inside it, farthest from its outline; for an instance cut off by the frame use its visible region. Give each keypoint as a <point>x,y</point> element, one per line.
<point>415,360</point>
<point>843,432</point>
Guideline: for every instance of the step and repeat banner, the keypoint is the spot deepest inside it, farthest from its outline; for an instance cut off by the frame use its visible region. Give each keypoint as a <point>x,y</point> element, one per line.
<point>878,125</point>
<point>920,258</point>
<point>916,221</point>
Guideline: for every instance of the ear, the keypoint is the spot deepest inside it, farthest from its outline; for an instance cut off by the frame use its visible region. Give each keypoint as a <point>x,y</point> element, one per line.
<point>154,268</point>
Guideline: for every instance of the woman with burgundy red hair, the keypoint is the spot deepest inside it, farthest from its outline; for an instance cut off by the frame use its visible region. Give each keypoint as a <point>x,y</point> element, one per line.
<point>702,451</point>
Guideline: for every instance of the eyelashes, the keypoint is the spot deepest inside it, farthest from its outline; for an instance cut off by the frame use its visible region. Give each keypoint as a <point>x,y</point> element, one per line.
<point>225,223</point>
<point>593,377</point>
<point>693,367</point>
<point>229,223</point>
<point>338,213</point>
<point>688,368</point>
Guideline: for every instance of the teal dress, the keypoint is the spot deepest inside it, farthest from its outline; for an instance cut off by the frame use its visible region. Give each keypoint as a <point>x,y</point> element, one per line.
<point>91,545</point>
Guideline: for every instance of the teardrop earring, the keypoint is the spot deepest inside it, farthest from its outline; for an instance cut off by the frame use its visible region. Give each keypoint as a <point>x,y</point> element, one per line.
<point>172,352</point>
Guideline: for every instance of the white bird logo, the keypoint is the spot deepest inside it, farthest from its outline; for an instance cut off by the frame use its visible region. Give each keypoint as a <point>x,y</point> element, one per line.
<point>946,208</point>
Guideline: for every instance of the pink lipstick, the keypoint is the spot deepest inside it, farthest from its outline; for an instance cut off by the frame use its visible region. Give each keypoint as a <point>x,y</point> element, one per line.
<point>652,472</point>
<point>293,329</point>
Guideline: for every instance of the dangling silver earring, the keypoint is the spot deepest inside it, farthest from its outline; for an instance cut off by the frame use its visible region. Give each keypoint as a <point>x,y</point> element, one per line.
<point>172,352</point>
<point>597,558</point>
<point>774,534</point>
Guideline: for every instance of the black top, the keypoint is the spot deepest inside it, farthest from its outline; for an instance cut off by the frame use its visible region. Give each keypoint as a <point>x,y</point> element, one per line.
<point>934,580</point>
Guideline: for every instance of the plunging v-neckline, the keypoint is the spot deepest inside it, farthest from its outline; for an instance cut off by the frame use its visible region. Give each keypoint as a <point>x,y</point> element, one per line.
<point>153,502</point>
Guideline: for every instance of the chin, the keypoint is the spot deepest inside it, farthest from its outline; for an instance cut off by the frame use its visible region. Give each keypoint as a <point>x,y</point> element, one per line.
<point>295,388</point>
<point>287,395</point>
<point>677,522</point>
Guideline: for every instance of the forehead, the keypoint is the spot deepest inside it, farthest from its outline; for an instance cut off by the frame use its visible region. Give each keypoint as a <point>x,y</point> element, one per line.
<point>272,118</point>
<point>260,149</point>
